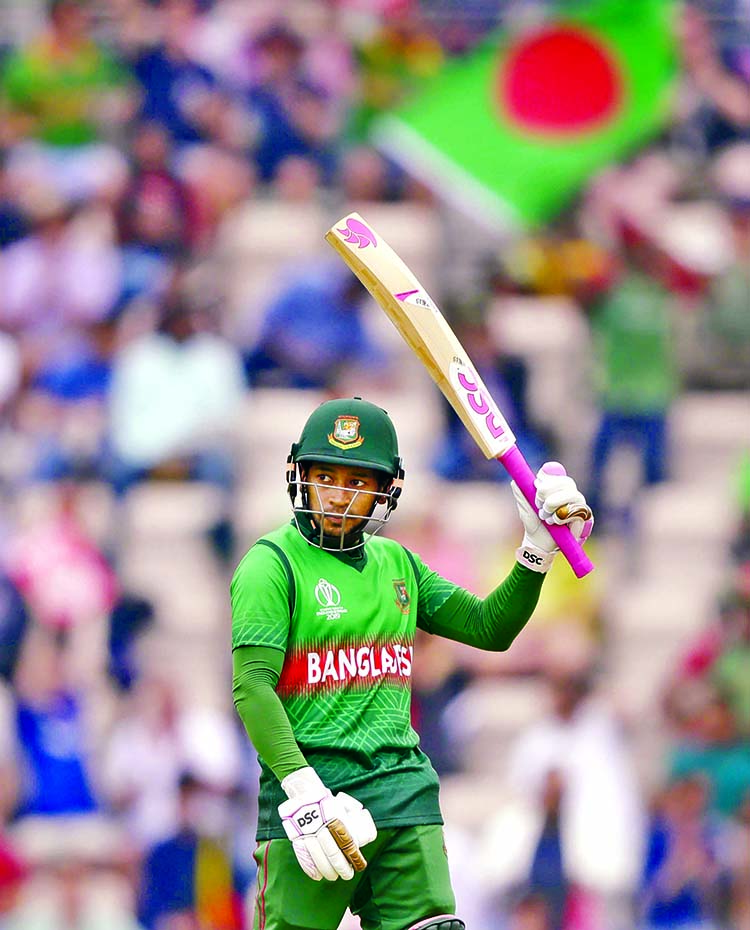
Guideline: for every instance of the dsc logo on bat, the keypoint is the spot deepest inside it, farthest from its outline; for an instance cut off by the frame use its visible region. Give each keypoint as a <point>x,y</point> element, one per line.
<point>479,405</point>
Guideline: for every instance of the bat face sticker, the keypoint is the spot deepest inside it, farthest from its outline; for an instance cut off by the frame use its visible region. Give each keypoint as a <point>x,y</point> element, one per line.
<point>475,399</point>
<point>355,232</point>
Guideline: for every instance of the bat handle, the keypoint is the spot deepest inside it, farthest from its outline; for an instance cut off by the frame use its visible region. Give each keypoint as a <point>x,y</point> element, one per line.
<point>518,468</point>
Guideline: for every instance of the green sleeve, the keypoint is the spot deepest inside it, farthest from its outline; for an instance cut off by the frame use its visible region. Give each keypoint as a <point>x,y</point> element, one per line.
<point>261,598</point>
<point>491,623</point>
<point>255,674</point>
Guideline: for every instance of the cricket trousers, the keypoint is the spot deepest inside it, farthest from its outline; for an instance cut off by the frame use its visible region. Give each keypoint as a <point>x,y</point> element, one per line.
<point>406,881</point>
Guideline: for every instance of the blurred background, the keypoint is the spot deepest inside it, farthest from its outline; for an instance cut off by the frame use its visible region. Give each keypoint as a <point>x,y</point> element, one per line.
<point>169,316</point>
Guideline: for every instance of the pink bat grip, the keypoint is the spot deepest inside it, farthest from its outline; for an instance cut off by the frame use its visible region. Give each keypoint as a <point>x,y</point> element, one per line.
<point>518,468</point>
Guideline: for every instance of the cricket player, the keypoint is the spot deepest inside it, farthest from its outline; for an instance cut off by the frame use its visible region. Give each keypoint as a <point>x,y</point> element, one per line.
<point>323,622</point>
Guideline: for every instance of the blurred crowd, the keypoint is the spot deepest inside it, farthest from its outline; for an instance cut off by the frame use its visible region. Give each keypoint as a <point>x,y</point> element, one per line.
<point>138,138</point>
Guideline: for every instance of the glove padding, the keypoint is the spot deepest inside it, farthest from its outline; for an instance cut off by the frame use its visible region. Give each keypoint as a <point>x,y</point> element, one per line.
<point>558,501</point>
<point>326,830</point>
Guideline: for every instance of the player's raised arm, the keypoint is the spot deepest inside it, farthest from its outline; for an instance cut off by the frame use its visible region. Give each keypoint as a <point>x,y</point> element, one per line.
<point>494,622</point>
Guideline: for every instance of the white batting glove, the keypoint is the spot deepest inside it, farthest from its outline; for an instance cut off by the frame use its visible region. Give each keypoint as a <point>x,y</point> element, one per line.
<point>558,501</point>
<point>326,830</point>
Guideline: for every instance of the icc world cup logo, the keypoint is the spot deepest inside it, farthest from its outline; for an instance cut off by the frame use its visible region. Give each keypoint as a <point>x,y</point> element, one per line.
<point>327,594</point>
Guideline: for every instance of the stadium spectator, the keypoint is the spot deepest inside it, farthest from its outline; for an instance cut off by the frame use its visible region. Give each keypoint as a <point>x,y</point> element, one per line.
<point>63,94</point>
<point>719,66</point>
<point>547,879</point>
<point>740,544</point>
<point>725,333</point>
<point>155,211</point>
<point>573,775</point>
<point>729,671</point>
<point>439,679</point>
<point>9,772</point>
<point>537,888</point>
<point>296,116</point>
<point>531,912</point>
<point>175,395</point>
<point>710,746</point>
<point>365,175</point>
<point>61,572</point>
<point>65,892</point>
<point>636,369</point>
<point>59,284</point>
<point>157,219</point>
<point>62,411</point>
<point>445,669</point>
<point>52,735</point>
<point>64,274</point>
<point>684,883</point>
<point>177,92</point>
<point>219,181</point>
<point>11,381</point>
<point>151,745</point>
<point>172,893</point>
<point>304,350</point>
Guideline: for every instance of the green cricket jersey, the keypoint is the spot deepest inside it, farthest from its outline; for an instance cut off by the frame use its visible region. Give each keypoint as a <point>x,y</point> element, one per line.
<point>346,630</point>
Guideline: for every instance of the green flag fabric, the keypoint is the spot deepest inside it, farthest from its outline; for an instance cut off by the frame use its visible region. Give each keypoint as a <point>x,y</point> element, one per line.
<point>513,130</point>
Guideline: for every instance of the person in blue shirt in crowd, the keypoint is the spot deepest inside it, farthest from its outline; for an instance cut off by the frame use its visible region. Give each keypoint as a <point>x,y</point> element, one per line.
<point>177,92</point>
<point>313,331</point>
<point>51,733</point>
<point>293,114</point>
<point>190,873</point>
<point>683,881</point>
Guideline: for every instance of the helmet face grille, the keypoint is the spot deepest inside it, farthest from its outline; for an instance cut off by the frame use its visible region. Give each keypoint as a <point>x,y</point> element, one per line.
<point>311,526</point>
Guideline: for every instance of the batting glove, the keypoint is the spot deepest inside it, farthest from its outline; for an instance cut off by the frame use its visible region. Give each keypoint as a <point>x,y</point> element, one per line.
<point>558,501</point>
<point>326,830</point>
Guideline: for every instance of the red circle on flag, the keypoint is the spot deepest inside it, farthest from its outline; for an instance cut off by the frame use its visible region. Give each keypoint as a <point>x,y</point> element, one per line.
<point>560,80</point>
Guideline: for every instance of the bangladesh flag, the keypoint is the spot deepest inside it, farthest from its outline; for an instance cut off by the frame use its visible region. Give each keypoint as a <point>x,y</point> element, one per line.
<point>514,130</point>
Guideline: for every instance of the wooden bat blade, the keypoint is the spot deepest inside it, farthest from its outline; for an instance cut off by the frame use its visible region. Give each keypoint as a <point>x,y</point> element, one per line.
<point>423,327</point>
<point>416,316</point>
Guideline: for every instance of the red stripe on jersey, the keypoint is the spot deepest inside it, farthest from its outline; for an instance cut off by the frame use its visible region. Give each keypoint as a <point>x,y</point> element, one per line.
<point>331,667</point>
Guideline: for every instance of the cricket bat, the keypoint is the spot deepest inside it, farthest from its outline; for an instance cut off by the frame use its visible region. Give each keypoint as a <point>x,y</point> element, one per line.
<point>416,316</point>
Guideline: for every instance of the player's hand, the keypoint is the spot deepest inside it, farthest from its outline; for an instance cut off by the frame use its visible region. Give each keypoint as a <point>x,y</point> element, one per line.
<point>558,501</point>
<point>326,830</point>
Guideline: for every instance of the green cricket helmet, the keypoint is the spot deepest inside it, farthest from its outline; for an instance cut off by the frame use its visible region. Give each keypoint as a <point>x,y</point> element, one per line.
<point>348,431</point>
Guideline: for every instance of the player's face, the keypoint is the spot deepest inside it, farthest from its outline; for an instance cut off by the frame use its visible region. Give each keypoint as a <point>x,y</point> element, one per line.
<point>342,497</point>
